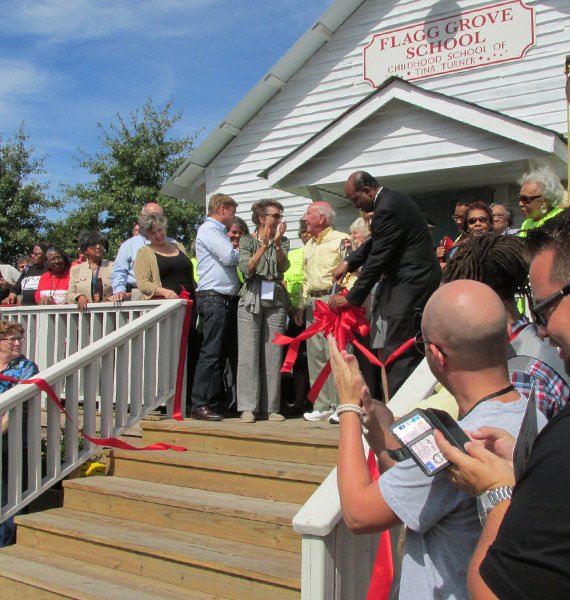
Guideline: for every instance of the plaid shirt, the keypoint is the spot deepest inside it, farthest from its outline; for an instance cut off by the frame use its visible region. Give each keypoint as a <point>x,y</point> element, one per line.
<point>551,391</point>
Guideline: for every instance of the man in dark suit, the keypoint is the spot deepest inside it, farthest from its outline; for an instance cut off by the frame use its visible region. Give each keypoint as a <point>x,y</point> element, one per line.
<point>400,249</point>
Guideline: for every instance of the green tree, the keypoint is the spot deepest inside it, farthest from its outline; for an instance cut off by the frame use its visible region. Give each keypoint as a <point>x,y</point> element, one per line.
<point>135,160</point>
<point>23,201</point>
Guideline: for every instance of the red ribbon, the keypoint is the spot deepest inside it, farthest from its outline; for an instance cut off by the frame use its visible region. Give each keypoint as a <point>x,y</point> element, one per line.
<point>111,442</point>
<point>342,325</point>
<point>176,410</point>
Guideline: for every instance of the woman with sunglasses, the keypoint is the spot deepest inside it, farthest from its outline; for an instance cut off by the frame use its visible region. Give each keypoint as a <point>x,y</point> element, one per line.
<point>540,198</point>
<point>478,218</point>
<point>90,281</point>
<point>12,364</point>
<point>262,312</point>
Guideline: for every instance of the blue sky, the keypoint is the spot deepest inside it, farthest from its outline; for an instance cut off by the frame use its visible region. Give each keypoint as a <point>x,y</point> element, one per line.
<point>68,64</point>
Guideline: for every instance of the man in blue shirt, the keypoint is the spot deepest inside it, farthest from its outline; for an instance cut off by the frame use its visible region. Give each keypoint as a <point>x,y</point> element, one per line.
<point>216,300</point>
<point>123,276</point>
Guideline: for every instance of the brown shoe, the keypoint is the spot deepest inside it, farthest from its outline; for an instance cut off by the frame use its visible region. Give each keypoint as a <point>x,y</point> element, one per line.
<point>205,413</point>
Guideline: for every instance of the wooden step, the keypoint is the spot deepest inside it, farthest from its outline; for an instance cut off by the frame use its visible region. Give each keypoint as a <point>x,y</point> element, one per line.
<point>254,520</point>
<point>256,477</point>
<point>27,574</point>
<point>294,440</point>
<point>232,570</point>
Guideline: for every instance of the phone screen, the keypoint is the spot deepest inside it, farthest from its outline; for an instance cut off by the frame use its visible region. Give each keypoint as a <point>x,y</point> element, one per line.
<point>416,433</point>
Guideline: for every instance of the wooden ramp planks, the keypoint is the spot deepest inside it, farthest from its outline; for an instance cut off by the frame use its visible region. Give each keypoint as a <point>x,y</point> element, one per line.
<point>213,522</point>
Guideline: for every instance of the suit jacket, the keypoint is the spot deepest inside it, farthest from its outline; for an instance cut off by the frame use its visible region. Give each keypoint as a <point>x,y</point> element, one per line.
<point>80,281</point>
<point>400,248</point>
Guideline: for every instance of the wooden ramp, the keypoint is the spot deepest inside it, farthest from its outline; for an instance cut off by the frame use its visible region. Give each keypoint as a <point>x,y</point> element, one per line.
<point>210,523</point>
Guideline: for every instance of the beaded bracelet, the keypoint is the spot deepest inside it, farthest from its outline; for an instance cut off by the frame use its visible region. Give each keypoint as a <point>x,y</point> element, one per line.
<point>355,409</point>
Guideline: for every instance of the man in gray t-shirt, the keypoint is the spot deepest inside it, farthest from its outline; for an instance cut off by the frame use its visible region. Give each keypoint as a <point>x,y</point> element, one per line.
<point>443,524</point>
<point>464,328</point>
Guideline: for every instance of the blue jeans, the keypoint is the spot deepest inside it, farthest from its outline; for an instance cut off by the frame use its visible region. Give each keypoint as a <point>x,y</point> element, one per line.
<point>219,324</point>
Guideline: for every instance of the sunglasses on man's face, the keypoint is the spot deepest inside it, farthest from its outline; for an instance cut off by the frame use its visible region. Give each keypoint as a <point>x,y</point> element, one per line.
<point>474,220</point>
<point>538,310</point>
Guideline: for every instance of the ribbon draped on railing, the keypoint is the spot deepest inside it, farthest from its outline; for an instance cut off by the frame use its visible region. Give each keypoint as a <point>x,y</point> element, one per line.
<point>342,325</point>
<point>110,442</point>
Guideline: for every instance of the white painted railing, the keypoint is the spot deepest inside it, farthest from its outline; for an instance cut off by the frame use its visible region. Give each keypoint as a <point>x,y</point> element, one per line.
<point>337,564</point>
<point>127,368</point>
<point>55,332</point>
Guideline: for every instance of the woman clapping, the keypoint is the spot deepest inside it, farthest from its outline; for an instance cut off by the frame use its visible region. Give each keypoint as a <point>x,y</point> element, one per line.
<point>262,312</point>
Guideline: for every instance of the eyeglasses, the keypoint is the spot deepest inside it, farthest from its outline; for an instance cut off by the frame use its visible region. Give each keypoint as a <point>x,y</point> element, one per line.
<point>456,217</point>
<point>528,199</point>
<point>12,340</point>
<point>420,343</point>
<point>474,220</point>
<point>274,215</point>
<point>55,258</point>
<point>539,309</point>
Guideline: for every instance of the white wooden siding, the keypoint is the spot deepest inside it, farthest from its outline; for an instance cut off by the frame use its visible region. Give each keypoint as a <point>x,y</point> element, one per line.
<point>530,89</point>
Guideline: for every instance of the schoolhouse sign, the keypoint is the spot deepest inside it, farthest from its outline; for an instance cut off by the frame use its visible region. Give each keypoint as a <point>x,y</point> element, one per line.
<point>468,40</point>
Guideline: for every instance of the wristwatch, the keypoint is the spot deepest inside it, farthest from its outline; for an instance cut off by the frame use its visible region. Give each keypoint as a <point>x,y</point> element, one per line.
<point>489,499</point>
<point>398,454</point>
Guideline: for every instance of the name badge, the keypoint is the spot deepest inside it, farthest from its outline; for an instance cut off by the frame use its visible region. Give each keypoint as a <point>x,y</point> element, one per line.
<point>267,290</point>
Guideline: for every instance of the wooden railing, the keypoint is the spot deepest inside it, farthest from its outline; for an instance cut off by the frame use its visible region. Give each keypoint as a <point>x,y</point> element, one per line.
<point>110,367</point>
<point>337,564</point>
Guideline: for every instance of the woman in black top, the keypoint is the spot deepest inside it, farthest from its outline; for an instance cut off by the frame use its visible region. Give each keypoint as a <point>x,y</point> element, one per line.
<point>27,284</point>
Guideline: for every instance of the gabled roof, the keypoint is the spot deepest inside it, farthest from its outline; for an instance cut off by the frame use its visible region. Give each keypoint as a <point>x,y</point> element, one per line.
<point>190,175</point>
<point>519,132</point>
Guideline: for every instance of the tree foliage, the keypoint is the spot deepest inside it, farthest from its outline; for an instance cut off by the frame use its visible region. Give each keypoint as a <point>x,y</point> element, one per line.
<point>135,160</point>
<point>23,201</point>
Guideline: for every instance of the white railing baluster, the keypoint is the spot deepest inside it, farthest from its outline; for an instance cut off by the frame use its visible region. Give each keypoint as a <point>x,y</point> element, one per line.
<point>149,367</point>
<point>53,435</point>
<point>15,445</point>
<point>107,394</point>
<point>34,433</point>
<point>121,385</point>
<point>136,366</point>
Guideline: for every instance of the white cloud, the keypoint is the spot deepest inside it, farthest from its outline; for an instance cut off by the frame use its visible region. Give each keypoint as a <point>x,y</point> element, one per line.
<point>66,20</point>
<point>20,80</point>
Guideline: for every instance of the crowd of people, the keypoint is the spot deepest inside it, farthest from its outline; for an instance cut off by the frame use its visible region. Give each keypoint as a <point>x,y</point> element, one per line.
<point>466,298</point>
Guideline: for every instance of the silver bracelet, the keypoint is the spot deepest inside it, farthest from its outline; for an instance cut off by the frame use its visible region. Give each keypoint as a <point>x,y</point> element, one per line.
<point>355,408</point>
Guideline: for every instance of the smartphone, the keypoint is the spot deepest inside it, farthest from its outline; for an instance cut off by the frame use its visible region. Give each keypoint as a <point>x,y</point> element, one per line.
<point>415,431</point>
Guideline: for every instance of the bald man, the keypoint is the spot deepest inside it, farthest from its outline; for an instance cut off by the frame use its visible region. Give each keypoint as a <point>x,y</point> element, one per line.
<point>469,358</point>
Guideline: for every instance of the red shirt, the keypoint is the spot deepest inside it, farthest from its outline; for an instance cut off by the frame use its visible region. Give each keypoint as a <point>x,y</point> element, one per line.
<point>54,287</point>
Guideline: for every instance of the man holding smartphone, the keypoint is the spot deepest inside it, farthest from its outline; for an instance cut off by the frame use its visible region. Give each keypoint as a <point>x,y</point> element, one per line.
<point>468,356</point>
<point>524,548</point>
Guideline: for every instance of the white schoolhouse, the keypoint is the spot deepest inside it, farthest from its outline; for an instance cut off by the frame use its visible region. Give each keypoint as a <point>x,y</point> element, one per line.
<point>437,99</point>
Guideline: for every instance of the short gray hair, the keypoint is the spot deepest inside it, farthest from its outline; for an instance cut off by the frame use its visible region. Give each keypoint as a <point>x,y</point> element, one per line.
<point>327,211</point>
<point>147,222</point>
<point>360,225</point>
<point>548,182</point>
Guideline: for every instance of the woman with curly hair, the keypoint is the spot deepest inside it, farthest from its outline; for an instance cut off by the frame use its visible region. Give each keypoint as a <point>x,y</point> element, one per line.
<point>262,312</point>
<point>90,281</point>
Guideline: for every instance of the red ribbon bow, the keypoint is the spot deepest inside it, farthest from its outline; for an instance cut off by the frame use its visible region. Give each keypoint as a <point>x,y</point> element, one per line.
<point>342,325</point>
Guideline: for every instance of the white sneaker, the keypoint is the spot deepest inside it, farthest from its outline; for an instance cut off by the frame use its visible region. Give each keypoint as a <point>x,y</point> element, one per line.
<point>334,420</point>
<point>318,415</point>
